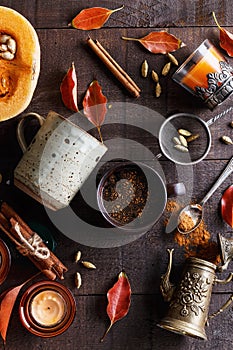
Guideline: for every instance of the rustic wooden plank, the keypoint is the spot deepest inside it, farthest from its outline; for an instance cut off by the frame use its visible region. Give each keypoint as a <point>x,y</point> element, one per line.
<point>144,259</point>
<point>138,327</point>
<point>47,94</point>
<point>135,14</point>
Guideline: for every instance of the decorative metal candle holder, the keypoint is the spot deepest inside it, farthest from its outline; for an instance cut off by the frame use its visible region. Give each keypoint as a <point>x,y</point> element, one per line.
<point>206,74</point>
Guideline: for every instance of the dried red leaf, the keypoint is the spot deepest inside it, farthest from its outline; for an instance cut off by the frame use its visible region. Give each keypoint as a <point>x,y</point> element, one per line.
<point>94,104</point>
<point>69,89</point>
<point>7,302</point>
<point>118,300</point>
<point>92,18</point>
<point>159,42</point>
<point>227,206</point>
<point>226,38</point>
<point>7,305</point>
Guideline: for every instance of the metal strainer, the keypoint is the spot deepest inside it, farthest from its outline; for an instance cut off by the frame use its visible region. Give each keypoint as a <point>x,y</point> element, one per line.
<point>197,149</point>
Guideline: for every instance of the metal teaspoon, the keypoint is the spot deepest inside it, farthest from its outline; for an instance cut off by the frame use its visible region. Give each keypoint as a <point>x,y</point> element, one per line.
<point>195,211</point>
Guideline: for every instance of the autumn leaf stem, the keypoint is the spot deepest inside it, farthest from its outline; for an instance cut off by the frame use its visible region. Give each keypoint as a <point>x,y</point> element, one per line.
<point>126,38</point>
<point>215,19</point>
<point>100,134</point>
<point>106,332</point>
<point>118,9</point>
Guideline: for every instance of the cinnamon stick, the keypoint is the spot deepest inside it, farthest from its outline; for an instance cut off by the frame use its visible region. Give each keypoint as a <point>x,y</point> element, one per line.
<point>47,266</point>
<point>20,233</point>
<point>114,67</point>
<point>4,221</point>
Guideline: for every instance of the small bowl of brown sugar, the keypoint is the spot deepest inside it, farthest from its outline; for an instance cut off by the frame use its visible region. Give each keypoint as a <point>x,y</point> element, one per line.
<point>131,196</point>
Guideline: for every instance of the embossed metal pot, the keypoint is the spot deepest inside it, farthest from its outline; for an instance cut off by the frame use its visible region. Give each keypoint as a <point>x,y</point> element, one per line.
<point>189,301</point>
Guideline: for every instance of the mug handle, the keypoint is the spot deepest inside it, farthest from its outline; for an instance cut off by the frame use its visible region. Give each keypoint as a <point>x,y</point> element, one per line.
<point>20,129</point>
<point>176,189</point>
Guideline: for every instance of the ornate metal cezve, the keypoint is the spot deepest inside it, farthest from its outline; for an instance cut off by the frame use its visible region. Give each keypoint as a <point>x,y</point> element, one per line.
<point>220,86</point>
<point>189,300</point>
<point>192,294</point>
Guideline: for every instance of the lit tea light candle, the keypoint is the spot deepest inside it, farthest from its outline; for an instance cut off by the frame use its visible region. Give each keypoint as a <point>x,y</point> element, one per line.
<point>48,308</point>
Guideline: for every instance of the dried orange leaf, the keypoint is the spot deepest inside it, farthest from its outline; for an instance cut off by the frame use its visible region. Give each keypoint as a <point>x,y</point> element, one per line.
<point>226,38</point>
<point>118,300</point>
<point>7,305</point>
<point>94,104</point>
<point>69,89</point>
<point>7,302</point>
<point>92,18</point>
<point>159,42</point>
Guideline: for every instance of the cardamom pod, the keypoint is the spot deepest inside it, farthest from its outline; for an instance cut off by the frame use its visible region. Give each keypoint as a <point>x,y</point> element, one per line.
<point>78,256</point>
<point>181,148</point>
<point>184,132</point>
<point>192,138</point>
<point>172,59</point>
<point>78,280</point>
<point>166,69</point>
<point>155,76</point>
<point>144,69</point>
<point>183,141</point>
<point>88,265</point>
<point>158,90</point>
<point>176,140</point>
<point>227,140</point>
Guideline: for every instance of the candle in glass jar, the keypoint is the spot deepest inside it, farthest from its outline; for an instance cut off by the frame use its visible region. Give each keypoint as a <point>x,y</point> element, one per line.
<point>206,74</point>
<point>48,308</point>
<point>198,74</point>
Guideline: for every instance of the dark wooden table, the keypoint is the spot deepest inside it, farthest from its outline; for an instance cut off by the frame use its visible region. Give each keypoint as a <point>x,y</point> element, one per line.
<point>144,259</point>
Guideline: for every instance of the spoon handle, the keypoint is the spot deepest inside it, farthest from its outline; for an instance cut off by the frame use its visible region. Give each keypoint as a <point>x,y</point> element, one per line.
<point>227,171</point>
<point>218,116</point>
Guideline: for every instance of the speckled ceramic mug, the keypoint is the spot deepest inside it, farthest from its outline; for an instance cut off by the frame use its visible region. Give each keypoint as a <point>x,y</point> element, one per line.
<point>58,161</point>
